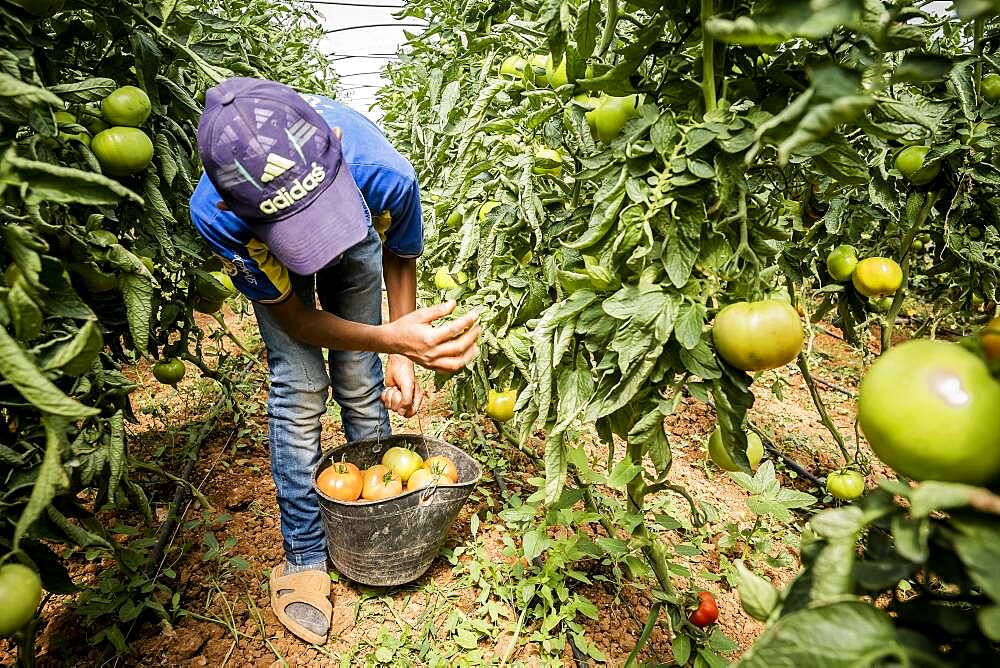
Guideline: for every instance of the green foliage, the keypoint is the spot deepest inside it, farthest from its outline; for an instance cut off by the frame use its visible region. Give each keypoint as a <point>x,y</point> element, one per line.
<point>79,298</point>
<point>766,138</point>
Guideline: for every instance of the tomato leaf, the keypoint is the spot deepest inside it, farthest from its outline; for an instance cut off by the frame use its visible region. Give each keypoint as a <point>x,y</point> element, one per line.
<point>17,368</point>
<point>50,475</point>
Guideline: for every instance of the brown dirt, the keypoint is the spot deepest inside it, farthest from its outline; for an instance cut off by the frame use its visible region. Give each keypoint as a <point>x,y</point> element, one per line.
<point>229,621</point>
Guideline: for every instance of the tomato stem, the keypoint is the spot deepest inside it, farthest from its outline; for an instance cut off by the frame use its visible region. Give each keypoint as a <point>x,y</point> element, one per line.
<point>904,265</point>
<point>708,58</point>
<point>817,400</point>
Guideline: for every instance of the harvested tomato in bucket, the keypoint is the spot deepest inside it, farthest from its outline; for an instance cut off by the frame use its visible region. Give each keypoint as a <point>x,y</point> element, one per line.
<point>393,541</point>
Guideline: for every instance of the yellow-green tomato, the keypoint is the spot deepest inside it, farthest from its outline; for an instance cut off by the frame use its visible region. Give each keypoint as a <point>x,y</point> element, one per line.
<point>910,163</point>
<point>717,451</point>
<point>611,115</point>
<point>931,411</point>
<point>443,280</point>
<point>877,276</point>
<point>402,461</point>
<point>513,67</point>
<point>20,592</point>
<point>547,161</point>
<point>756,336</point>
<point>845,485</point>
<point>500,405</point>
<point>991,87</point>
<point>486,208</point>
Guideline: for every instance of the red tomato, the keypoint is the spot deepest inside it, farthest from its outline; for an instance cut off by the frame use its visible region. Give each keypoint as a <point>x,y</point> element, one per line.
<point>341,481</point>
<point>380,483</point>
<point>707,611</point>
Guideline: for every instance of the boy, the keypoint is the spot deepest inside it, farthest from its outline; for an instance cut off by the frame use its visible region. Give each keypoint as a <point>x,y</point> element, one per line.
<point>289,209</point>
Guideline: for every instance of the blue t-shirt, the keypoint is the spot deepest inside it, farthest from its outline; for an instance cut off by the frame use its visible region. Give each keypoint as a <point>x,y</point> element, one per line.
<point>384,177</point>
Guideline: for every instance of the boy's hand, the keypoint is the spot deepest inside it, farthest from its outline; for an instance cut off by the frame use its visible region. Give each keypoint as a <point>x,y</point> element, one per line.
<point>402,394</point>
<point>448,347</point>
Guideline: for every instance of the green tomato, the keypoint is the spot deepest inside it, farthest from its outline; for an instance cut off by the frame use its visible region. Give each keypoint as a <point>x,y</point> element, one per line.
<point>755,336</point>
<point>66,118</point>
<point>882,304</point>
<point>611,115</point>
<point>910,163</point>
<point>169,371</point>
<point>122,150</point>
<point>402,461</point>
<point>127,106</point>
<point>454,220</point>
<point>841,262</point>
<point>845,485</point>
<point>717,451</point>
<point>20,592</point>
<point>931,411</point>
<point>991,87</point>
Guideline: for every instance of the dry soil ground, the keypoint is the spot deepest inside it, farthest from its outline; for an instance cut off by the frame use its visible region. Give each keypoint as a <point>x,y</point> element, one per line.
<point>224,618</point>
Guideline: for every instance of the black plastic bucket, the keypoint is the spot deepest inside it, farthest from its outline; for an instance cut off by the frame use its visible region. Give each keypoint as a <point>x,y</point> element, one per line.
<point>391,542</point>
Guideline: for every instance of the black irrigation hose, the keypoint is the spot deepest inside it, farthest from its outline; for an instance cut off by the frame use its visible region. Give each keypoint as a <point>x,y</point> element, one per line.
<point>377,25</point>
<point>788,461</point>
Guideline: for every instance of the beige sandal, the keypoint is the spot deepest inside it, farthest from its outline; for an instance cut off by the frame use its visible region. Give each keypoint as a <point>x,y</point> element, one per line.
<point>309,587</point>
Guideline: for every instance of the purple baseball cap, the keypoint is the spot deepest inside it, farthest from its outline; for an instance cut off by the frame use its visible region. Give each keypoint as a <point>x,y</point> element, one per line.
<point>279,167</point>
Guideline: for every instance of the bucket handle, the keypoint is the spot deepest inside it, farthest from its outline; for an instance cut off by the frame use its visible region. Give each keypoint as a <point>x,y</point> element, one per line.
<point>377,448</point>
<point>427,494</point>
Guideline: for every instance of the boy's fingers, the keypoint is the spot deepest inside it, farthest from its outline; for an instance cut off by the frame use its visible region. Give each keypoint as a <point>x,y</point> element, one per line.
<point>432,313</point>
<point>466,323</point>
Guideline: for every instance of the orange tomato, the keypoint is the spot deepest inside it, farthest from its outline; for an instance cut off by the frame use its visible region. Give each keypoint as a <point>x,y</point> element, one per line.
<point>421,478</point>
<point>442,466</point>
<point>341,481</point>
<point>380,483</point>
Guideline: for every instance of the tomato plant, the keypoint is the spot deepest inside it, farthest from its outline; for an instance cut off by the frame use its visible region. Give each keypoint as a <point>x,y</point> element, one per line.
<point>100,272</point>
<point>749,148</point>
<point>341,481</point>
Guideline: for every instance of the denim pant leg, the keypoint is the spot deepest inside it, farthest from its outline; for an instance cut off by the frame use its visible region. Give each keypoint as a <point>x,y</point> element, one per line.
<point>351,288</point>
<point>295,404</point>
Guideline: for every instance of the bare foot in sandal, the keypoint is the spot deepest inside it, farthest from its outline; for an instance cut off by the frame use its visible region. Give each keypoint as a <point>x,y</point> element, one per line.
<point>300,598</point>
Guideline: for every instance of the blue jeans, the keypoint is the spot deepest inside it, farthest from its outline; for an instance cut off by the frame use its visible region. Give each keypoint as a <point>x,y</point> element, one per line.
<point>351,288</point>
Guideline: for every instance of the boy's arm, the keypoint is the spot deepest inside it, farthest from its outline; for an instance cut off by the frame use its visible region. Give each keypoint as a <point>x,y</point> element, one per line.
<point>402,393</point>
<point>447,348</point>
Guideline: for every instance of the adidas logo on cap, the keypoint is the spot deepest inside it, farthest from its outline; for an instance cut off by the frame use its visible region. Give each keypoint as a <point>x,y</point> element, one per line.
<point>275,167</point>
